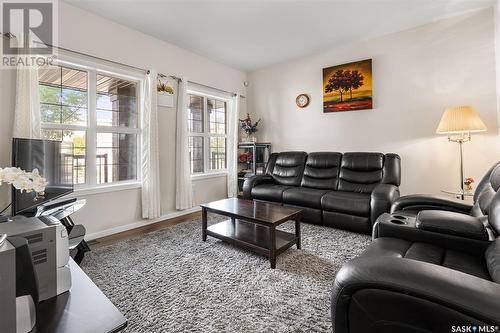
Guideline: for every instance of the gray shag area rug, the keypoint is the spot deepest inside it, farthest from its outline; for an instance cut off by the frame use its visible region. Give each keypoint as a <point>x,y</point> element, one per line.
<point>172,281</point>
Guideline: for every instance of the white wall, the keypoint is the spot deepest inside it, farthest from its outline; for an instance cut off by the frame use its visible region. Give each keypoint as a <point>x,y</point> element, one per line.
<point>497,53</point>
<point>416,74</point>
<point>85,32</point>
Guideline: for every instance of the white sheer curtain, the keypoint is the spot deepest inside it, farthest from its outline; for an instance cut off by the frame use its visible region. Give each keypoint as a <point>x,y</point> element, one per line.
<point>27,110</point>
<point>150,159</point>
<point>232,149</point>
<point>183,184</point>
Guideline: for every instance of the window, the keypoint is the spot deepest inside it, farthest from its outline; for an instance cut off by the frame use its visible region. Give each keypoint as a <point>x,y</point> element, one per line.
<point>97,113</point>
<point>207,133</point>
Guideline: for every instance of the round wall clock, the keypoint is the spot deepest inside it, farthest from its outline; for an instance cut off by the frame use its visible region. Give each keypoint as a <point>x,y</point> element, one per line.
<point>302,100</point>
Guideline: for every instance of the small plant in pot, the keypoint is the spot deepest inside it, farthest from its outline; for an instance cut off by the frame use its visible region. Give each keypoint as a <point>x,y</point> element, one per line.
<point>249,128</point>
<point>165,94</point>
<point>468,184</point>
<point>163,87</point>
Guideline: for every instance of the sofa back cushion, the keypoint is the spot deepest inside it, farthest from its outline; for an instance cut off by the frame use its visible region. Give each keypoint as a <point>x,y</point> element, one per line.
<point>287,168</point>
<point>322,170</point>
<point>270,163</point>
<point>361,172</point>
<point>485,191</point>
<point>391,173</point>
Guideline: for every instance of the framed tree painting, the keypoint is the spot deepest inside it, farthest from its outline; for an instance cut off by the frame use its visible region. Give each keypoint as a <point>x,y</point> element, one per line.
<point>348,87</point>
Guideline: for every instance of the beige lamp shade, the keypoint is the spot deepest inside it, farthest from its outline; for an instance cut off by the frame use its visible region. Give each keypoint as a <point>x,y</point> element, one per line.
<point>460,119</point>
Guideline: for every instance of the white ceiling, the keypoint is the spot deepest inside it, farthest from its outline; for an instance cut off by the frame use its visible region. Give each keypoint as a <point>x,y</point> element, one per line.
<point>251,34</point>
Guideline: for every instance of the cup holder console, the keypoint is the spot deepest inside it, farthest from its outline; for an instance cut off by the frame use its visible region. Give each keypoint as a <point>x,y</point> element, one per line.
<point>388,225</point>
<point>398,219</point>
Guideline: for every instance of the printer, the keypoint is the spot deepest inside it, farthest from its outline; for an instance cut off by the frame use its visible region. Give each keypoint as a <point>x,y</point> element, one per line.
<point>46,250</point>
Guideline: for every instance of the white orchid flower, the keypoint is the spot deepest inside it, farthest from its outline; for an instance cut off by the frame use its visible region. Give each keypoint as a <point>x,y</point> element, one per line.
<point>39,184</point>
<point>24,181</point>
<point>10,175</point>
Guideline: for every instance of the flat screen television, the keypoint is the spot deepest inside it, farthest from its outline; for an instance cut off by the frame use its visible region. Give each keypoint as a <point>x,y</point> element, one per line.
<point>54,161</point>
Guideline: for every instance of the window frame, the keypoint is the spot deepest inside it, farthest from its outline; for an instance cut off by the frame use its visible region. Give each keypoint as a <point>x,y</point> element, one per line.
<point>207,171</point>
<point>91,128</point>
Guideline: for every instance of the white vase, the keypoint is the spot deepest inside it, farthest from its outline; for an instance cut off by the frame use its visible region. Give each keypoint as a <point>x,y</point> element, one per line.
<point>165,99</point>
<point>249,137</point>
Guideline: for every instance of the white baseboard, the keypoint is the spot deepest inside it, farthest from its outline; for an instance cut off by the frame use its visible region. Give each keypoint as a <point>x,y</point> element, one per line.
<point>139,224</point>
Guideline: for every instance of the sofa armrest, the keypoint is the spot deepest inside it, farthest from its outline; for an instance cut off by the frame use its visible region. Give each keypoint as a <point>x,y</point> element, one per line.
<point>451,223</point>
<point>418,202</point>
<point>253,181</point>
<point>449,296</point>
<point>382,199</point>
<point>385,228</point>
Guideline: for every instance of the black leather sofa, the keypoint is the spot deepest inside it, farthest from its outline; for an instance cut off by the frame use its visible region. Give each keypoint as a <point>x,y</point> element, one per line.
<point>441,274</point>
<point>347,191</point>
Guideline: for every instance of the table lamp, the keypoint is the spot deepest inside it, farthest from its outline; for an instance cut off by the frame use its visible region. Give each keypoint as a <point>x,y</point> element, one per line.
<point>458,123</point>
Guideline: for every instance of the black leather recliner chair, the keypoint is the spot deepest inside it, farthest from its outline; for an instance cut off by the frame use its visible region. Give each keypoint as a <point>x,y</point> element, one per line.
<point>412,204</point>
<point>427,215</point>
<point>429,280</point>
<point>347,191</point>
<point>399,291</point>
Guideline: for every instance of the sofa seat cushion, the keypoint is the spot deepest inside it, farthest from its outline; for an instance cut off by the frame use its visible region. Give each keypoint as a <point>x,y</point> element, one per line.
<point>303,196</point>
<point>347,203</point>
<point>269,192</point>
<point>459,261</point>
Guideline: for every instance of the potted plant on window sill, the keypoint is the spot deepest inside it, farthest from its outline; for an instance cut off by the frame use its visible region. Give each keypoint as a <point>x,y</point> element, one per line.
<point>24,181</point>
<point>165,94</point>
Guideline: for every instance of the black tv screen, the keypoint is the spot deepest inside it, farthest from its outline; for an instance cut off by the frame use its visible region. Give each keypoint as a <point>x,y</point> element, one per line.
<point>54,161</point>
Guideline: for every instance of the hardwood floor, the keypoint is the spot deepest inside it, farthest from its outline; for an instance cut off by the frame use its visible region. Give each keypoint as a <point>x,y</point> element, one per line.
<point>142,230</point>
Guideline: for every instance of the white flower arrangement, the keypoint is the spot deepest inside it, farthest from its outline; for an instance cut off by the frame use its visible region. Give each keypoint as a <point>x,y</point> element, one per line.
<point>24,181</point>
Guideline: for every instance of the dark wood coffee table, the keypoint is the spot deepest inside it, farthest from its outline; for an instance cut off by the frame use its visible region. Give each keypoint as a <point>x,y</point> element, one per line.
<point>252,225</point>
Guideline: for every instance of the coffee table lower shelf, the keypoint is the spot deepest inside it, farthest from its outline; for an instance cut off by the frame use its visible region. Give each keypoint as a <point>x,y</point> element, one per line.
<point>252,236</point>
